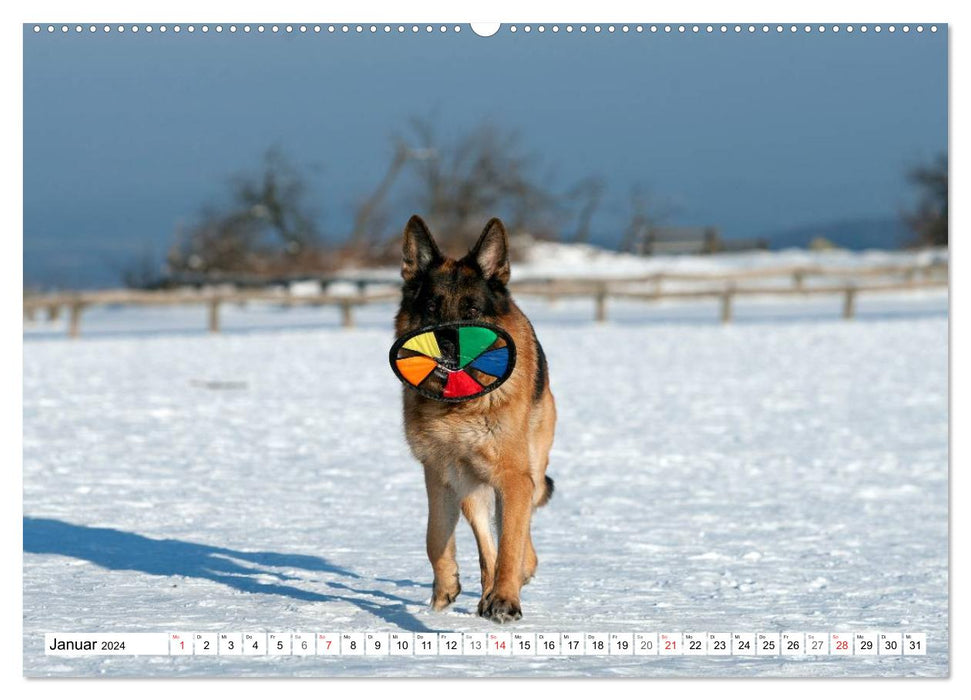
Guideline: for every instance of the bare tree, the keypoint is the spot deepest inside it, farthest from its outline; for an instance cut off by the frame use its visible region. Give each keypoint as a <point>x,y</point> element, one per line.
<point>929,221</point>
<point>648,212</point>
<point>588,193</point>
<point>460,182</point>
<point>274,199</point>
<point>219,243</point>
<point>267,228</point>
<point>371,217</point>
<point>482,173</point>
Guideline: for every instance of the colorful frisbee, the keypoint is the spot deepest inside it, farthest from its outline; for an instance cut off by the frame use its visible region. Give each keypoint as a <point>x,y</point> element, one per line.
<point>455,361</point>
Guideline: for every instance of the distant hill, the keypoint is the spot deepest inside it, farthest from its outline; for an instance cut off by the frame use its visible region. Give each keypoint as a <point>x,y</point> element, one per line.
<point>857,234</point>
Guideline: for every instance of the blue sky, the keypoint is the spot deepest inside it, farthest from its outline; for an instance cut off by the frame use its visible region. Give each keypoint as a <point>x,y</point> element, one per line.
<point>126,136</point>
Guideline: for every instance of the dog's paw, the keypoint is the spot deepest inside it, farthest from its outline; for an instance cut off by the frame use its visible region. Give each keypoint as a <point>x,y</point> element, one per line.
<point>499,609</point>
<point>441,599</point>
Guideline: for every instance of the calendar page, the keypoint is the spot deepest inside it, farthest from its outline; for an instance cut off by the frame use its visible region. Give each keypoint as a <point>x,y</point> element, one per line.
<point>447,350</point>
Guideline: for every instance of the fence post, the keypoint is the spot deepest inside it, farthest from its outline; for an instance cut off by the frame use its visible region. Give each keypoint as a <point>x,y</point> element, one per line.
<point>214,315</point>
<point>30,313</point>
<point>601,297</point>
<point>347,314</point>
<point>727,297</point>
<point>849,302</point>
<point>53,312</point>
<point>74,327</point>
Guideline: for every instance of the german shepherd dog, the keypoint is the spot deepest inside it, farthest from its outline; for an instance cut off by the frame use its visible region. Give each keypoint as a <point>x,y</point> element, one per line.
<point>490,449</point>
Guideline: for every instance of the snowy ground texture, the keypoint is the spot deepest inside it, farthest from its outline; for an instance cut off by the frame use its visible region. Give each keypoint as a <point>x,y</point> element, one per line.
<point>784,473</point>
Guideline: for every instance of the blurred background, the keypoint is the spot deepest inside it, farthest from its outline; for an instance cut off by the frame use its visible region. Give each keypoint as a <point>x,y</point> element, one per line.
<point>157,159</point>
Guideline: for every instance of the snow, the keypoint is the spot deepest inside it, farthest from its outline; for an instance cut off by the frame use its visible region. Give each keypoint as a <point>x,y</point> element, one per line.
<point>788,472</point>
<point>548,259</point>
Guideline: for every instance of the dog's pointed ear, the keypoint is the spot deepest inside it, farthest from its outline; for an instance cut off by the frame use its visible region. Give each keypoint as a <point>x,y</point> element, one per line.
<point>491,251</point>
<point>418,250</point>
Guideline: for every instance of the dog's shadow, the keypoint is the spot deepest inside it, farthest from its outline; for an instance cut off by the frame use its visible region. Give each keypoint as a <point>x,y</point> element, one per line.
<point>244,571</point>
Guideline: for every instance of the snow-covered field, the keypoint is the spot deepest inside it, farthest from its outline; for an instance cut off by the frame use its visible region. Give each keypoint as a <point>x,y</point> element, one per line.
<point>784,473</point>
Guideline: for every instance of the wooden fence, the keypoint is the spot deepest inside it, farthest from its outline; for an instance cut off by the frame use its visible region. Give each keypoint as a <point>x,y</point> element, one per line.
<point>801,281</point>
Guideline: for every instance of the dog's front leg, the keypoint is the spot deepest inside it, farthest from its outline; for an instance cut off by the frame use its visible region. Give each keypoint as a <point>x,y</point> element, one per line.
<point>443,514</point>
<point>475,507</point>
<point>515,494</point>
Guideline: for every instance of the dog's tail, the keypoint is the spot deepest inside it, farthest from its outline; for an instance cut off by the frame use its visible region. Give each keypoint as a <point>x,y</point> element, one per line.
<point>547,494</point>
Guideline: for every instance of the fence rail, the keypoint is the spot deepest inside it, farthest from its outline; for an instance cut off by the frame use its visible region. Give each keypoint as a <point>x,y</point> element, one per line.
<point>846,281</point>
